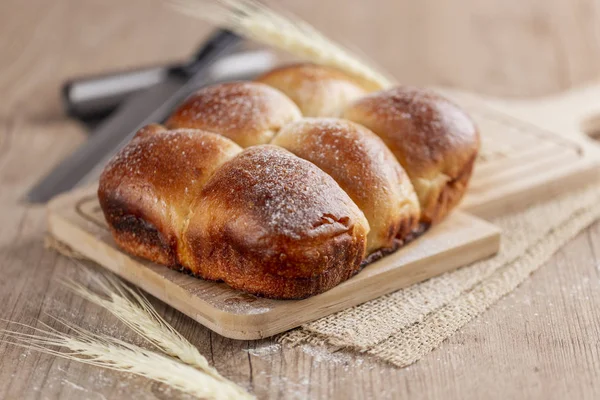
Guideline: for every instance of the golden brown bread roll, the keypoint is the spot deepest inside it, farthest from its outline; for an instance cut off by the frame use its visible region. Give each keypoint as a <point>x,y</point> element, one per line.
<point>365,168</point>
<point>432,138</point>
<point>288,224</point>
<point>318,91</point>
<point>147,189</point>
<point>270,223</point>
<point>249,113</point>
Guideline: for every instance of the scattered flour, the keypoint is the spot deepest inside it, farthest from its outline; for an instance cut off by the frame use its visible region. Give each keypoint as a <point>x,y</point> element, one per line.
<point>265,350</point>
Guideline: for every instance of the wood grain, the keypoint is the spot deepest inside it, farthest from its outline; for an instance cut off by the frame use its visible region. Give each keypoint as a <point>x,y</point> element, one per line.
<point>539,342</point>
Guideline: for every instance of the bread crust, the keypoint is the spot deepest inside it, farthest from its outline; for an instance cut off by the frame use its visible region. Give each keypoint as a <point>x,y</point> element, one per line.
<point>147,189</point>
<point>364,167</point>
<point>433,139</point>
<point>317,90</point>
<point>270,223</point>
<point>249,113</point>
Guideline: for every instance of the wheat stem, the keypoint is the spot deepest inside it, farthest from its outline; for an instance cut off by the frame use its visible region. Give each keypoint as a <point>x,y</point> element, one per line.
<point>193,375</point>
<point>107,352</point>
<point>133,309</point>
<point>258,22</point>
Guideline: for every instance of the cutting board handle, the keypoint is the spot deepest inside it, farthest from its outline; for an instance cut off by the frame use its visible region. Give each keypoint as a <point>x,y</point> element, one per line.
<point>576,110</point>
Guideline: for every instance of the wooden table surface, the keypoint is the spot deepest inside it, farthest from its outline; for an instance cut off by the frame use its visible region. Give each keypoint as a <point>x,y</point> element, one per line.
<point>542,341</point>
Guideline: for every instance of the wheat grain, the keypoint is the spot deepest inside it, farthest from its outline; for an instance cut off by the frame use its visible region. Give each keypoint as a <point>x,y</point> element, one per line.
<point>133,309</point>
<point>107,352</point>
<point>260,23</point>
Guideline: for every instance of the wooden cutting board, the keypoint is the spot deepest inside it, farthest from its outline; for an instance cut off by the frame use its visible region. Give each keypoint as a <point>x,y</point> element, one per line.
<point>522,162</point>
<point>76,219</point>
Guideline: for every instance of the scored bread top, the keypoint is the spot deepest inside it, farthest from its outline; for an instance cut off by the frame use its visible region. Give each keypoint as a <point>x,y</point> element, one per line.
<point>433,139</point>
<point>249,113</point>
<point>364,167</point>
<point>318,91</point>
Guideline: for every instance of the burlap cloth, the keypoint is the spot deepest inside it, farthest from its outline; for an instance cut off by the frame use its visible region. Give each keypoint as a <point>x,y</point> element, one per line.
<point>402,327</point>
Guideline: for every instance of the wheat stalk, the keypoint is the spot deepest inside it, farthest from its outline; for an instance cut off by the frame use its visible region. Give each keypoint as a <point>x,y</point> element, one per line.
<point>255,21</point>
<point>194,375</point>
<point>134,310</point>
<point>107,352</point>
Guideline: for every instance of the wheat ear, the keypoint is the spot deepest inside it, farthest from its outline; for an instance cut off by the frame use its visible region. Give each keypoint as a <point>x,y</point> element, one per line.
<point>107,352</point>
<point>134,310</point>
<point>255,21</point>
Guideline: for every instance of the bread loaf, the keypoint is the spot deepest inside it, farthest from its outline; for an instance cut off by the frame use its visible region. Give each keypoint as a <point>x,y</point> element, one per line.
<point>295,217</point>
<point>432,138</point>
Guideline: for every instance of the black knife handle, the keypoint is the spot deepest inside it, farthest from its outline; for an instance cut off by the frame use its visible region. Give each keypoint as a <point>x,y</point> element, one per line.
<point>218,41</point>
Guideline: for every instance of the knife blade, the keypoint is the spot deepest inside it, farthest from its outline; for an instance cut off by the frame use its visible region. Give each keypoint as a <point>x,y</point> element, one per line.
<point>151,105</point>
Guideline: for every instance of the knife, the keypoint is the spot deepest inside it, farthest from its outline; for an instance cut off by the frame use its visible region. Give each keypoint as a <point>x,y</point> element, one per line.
<point>95,97</point>
<point>91,98</point>
<point>141,108</point>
